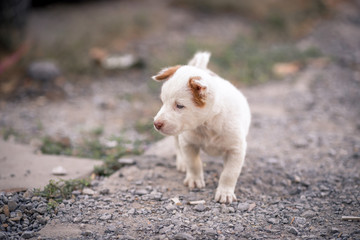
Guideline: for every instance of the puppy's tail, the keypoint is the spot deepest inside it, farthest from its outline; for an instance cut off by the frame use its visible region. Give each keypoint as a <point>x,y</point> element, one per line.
<point>200,60</point>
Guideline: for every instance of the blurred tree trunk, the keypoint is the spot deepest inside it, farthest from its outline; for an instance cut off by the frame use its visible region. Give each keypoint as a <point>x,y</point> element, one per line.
<point>13,15</point>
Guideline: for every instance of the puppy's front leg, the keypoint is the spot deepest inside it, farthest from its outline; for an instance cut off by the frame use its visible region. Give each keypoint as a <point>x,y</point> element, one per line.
<point>180,162</point>
<point>194,170</point>
<point>234,160</point>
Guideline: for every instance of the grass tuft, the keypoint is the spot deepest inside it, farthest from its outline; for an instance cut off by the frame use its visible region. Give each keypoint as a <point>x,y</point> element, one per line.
<point>57,191</point>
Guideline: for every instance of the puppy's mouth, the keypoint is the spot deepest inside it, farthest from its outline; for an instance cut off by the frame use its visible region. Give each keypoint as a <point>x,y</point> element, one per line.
<point>166,130</point>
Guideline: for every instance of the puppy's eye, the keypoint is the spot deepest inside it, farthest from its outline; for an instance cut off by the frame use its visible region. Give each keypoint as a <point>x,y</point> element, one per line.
<point>179,106</point>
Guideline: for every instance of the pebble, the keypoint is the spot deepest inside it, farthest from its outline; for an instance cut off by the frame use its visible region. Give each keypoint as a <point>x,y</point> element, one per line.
<point>293,230</point>
<point>183,236</point>
<point>27,234</point>
<point>12,205</point>
<point>3,236</point>
<point>104,191</point>
<point>127,161</point>
<point>43,71</point>
<point>88,191</point>
<point>243,206</point>
<point>59,171</point>
<point>273,221</point>
<point>200,207</point>
<point>111,228</point>
<point>141,192</point>
<point>6,210</point>
<point>42,208</point>
<point>105,217</point>
<point>308,214</point>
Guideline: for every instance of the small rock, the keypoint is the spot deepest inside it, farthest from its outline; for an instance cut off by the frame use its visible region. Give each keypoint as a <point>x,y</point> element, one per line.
<point>156,196</point>
<point>106,216</point>
<point>28,194</point>
<point>293,231</point>
<point>231,209</point>
<point>127,161</point>
<point>59,171</point>
<point>104,191</point>
<point>12,205</point>
<point>43,71</point>
<point>334,230</point>
<point>239,228</point>
<point>3,236</point>
<point>273,220</point>
<point>251,207</point>
<point>170,207</point>
<point>77,219</point>
<point>41,220</point>
<point>76,192</point>
<point>183,236</point>
<point>308,214</point>
<point>2,218</point>
<point>243,207</point>
<point>209,232</point>
<point>6,210</point>
<point>42,208</point>
<point>300,143</point>
<point>87,233</point>
<point>141,192</point>
<point>27,234</point>
<point>200,208</point>
<point>88,191</point>
<point>110,229</point>
<point>132,211</point>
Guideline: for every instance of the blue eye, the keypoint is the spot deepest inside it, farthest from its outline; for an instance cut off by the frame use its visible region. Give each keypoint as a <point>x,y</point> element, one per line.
<point>179,106</point>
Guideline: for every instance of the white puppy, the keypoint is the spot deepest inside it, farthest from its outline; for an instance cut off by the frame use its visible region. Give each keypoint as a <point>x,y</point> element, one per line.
<point>204,111</point>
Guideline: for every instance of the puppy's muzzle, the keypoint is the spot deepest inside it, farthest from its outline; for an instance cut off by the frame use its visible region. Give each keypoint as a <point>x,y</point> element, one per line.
<point>158,125</point>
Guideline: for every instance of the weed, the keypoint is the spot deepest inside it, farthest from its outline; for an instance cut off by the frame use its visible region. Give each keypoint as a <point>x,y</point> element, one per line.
<point>7,132</point>
<point>52,146</point>
<point>92,147</point>
<point>56,191</point>
<point>251,62</point>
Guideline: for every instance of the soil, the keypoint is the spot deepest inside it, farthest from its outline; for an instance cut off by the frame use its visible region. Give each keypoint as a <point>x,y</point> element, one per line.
<point>301,174</point>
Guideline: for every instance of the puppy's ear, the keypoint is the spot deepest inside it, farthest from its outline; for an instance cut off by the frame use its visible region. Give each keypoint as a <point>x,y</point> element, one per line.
<point>165,73</point>
<point>198,89</point>
<point>200,60</point>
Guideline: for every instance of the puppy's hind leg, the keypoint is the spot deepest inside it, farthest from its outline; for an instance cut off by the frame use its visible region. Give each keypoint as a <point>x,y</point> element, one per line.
<point>180,162</point>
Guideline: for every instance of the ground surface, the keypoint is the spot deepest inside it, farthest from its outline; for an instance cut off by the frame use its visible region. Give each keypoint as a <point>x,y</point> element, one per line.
<point>300,177</point>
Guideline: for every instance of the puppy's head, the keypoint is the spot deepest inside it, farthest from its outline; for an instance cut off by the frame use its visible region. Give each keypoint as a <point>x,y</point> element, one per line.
<point>186,99</point>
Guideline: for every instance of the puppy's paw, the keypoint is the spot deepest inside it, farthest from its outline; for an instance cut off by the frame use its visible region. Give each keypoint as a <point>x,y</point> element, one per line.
<point>194,182</point>
<point>225,195</point>
<point>180,165</point>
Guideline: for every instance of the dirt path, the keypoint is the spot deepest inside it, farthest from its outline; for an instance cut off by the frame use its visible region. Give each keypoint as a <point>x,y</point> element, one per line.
<point>300,178</point>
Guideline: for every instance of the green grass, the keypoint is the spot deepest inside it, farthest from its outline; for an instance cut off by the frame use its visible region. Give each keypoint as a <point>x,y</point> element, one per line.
<point>246,60</point>
<point>51,146</point>
<point>92,147</point>
<point>57,191</point>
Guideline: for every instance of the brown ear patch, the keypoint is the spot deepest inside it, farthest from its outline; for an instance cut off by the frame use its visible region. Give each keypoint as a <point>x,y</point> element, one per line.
<point>198,91</point>
<point>166,73</point>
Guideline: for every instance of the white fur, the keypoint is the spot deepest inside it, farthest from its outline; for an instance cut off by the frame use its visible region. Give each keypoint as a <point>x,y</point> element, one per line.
<point>219,128</point>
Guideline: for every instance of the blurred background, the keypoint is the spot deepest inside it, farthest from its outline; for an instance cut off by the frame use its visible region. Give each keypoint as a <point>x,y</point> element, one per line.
<point>75,75</point>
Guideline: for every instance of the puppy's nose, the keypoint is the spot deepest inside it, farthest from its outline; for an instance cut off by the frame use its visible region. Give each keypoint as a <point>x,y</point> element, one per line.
<point>158,125</point>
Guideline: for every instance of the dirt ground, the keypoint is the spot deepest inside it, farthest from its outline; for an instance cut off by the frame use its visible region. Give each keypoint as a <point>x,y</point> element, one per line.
<point>303,160</point>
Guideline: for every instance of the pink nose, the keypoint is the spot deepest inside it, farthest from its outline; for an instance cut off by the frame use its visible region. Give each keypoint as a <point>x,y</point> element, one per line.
<point>158,125</point>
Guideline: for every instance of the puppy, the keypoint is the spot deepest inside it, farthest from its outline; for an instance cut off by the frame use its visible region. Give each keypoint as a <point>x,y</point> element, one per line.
<point>204,111</point>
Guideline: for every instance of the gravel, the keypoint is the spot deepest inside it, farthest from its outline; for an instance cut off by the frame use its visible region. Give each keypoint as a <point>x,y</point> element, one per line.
<point>299,179</point>
<point>21,215</point>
